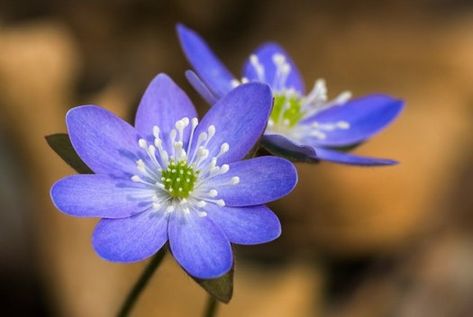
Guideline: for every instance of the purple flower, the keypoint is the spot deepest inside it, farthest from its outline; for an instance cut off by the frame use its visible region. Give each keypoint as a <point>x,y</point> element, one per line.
<point>171,178</point>
<point>304,126</point>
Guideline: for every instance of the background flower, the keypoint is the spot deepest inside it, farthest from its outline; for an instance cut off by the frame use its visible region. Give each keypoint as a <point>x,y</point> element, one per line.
<point>301,126</point>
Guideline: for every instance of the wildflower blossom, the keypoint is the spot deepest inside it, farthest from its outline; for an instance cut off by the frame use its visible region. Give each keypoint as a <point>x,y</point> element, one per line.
<point>305,126</point>
<point>173,178</point>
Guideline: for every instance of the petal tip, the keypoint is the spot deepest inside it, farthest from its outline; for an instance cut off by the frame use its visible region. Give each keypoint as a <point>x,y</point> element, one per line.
<point>261,91</point>
<point>292,172</point>
<point>53,194</point>
<point>75,113</point>
<point>181,28</point>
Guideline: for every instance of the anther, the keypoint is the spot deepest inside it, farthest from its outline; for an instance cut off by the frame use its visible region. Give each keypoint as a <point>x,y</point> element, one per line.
<point>140,165</point>
<point>136,179</point>
<point>285,69</point>
<point>152,150</point>
<point>235,83</point>
<point>279,59</point>
<point>156,131</point>
<point>142,143</point>
<point>213,193</point>
<point>342,98</point>
<point>224,148</point>
<point>254,59</point>
<point>343,125</point>
<point>235,180</point>
<point>211,131</point>
<point>318,134</point>
<point>224,168</point>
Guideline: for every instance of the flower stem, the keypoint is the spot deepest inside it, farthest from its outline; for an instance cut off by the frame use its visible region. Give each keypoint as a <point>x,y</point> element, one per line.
<point>211,307</point>
<point>141,283</point>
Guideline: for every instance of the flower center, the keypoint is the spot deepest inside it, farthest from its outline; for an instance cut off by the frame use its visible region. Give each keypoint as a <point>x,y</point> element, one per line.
<point>179,179</point>
<point>179,175</point>
<point>287,110</point>
<point>291,109</point>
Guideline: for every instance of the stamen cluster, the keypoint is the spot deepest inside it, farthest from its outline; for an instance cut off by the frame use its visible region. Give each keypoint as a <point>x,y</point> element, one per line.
<point>178,179</point>
<point>290,107</point>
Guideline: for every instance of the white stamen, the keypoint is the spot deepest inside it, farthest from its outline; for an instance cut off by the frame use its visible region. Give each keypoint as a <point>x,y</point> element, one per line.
<point>194,123</point>
<point>318,134</point>
<point>136,179</point>
<point>235,83</point>
<point>343,98</point>
<point>180,126</point>
<point>141,166</point>
<point>279,59</point>
<point>210,133</point>
<point>224,168</point>
<point>156,131</point>
<point>142,143</point>
<point>258,67</point>
<point>160,190</point>
<point>224,148</point>
<point>283,68</point>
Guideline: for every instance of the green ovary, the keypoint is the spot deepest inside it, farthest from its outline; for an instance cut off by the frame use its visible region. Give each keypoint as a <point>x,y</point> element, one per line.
<point>287,110</point>
<point>179,179</point>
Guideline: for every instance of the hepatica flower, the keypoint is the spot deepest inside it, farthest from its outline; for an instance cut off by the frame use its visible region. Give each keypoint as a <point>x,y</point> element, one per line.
<point>306,126</point>
<point>173,178</point>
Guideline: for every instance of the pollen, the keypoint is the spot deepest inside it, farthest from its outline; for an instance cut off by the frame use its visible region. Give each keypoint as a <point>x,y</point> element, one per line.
<point>287,110</point>
<point>176,185</point>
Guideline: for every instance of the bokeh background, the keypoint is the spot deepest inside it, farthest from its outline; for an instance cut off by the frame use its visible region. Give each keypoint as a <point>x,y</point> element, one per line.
<point>362,242</point>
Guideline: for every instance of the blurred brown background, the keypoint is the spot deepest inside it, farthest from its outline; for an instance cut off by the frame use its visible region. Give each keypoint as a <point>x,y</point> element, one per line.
<point>381,242</point>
